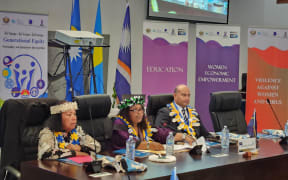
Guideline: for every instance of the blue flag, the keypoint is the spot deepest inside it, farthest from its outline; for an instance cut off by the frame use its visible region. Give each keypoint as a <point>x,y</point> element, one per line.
<point>75,58</point>
<point>123,70</point>
<point>252,126</point>
<point>174,174</point>
<point>98,57</point>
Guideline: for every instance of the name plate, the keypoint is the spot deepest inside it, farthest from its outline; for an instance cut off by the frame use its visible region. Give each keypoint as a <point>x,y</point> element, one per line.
<point>246,144</point>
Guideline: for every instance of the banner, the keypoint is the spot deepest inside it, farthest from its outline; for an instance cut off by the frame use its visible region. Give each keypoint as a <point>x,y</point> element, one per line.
<point>23,55</point>
<point>165,52</point>
<point>267,76</point>
<point>217,65</point>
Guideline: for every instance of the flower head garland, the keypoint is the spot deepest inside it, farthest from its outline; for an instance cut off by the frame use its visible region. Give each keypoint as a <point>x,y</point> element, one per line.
<point>177,117</point>
<point>146,133</point>
<point>60,138</point>
<point>63,107</point>
<point>131,102</point>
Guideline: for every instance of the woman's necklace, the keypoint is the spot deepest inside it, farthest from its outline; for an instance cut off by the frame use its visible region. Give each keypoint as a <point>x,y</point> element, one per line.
<point>60,138</point>
<point>147,133</point>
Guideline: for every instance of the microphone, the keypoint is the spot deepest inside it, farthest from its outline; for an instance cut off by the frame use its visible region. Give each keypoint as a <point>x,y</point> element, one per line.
<point>284,140</point>
<point>125,167</point>
<point>96,165</point>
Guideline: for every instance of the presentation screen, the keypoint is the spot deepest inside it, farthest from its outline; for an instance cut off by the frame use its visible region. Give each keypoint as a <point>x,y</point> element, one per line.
<point>212,11</point>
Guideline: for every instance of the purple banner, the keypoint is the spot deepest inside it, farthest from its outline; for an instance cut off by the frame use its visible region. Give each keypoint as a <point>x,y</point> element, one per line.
<point>164,65</point>
<point>217,69</point>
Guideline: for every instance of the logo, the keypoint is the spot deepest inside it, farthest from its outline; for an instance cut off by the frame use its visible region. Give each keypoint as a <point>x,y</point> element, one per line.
<point>173,32</point>
<point>42,22</point>
<point>285,35</point>
<point>233,35</point>
<point>201,33</point>
<point>253,32</point>
<point>23,76</point>
<point>181,32</point>
<point>148,30</point>
<point>6,19</point>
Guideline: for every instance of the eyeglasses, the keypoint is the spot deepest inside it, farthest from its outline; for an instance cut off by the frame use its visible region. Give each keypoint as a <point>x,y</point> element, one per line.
<point>136,110</point>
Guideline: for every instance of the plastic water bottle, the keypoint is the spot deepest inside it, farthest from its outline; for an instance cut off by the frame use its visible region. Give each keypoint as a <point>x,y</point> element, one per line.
<point>225,140</point>
<point>286,129</point>
<point>170,144</point>
<point>130,148</point>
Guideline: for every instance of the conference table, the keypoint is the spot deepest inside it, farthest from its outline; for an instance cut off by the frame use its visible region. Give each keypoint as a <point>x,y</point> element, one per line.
<point>269,163</point>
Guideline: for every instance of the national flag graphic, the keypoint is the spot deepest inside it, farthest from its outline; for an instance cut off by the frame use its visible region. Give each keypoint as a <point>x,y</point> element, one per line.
<point>97,57</point>
<point>252,126</point>
<point>123,70</point>
<point>174,174</point>
<point>75,58</point>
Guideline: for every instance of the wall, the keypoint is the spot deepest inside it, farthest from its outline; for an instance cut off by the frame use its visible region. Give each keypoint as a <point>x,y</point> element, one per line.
<point>242,12</point>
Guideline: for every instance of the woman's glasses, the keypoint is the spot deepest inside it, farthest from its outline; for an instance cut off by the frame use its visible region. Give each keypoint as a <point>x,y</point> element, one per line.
<point>136,110</point>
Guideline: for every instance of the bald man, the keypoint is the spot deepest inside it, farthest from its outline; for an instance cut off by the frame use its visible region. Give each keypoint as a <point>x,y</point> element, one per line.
<point>180,117</point>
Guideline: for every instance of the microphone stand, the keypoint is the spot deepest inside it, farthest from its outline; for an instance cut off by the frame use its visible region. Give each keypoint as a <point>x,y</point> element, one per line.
<point>196,150</point>
<point>284,140</point>
<point>96,165</point>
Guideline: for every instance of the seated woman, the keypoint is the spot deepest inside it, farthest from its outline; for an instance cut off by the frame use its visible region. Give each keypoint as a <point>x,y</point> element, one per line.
<point>131,120</point>
<point>62,137</point>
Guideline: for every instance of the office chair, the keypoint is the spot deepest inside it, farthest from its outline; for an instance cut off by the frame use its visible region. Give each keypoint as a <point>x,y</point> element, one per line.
<point>99,125</point>
<point>21,121</point>
<point>155,102</point>
<point>225,109</point>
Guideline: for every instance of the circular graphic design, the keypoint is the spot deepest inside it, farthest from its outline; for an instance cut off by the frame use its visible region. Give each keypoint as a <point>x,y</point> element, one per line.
<point>7,60</point>
<point>15,92</point>
<point>34,91</point>
<point>6,73</point>
<point>40,84</point>
<point>9,83</point>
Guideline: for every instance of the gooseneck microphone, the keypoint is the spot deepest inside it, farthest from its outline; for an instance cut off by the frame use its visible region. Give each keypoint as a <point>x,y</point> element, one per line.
<point>284,140</point>
<point>275,115</point>
<point>96,165</point>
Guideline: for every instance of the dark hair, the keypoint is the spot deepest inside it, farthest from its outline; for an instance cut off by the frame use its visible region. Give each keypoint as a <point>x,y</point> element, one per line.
<point>125,114</point>
<point>54,122</point>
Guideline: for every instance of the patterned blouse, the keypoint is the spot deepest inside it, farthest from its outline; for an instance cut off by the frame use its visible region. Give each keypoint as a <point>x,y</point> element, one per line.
<point>48,146</point>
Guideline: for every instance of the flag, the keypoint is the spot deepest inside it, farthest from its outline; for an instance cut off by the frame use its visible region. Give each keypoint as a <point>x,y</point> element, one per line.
<point>123,70</point>
<point>174,174</point>
<point>252,126</point>
<point>97,57</point>
<point>75,58</point>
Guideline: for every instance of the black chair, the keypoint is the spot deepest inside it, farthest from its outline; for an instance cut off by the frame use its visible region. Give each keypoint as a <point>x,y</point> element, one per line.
<point>21,121</point>
<point>225,109</point>
<point>155,102</point>
<point>98,125</point>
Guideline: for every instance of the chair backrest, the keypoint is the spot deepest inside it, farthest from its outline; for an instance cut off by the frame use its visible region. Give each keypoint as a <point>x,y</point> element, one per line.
<point>225,109</point>
<point>98,125</point>
<point>21,121</point>
<point>155,102</point>
<point>127,96</point>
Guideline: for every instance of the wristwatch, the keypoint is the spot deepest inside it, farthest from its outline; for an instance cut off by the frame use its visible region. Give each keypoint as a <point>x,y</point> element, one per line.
<point>183,136</point>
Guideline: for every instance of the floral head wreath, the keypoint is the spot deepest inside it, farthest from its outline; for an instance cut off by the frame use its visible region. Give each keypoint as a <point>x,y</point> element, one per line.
<point>63,107</point>
<point>131,102</point>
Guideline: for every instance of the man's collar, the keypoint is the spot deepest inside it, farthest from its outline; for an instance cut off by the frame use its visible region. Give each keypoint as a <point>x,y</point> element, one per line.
<point>178,106</point>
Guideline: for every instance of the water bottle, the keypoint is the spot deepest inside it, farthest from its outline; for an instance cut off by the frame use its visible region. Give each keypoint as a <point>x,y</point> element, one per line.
<point>225,140</point>
<point>170,144</point>
<point>286,129</point>
<point>130,148</point>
